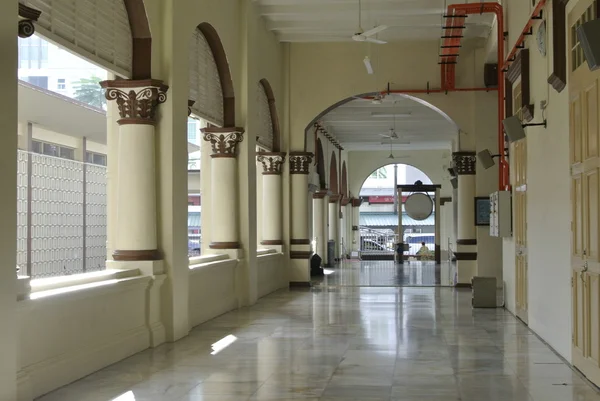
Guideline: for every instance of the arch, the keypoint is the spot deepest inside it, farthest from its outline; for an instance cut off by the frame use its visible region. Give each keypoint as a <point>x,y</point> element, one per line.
<point>321,165</point>
<point>369,94</point>
<point>429,180</point>
<point>344,187</point>
<point>333,175</point>
<point>218,51</point>
<point>141,67</point>
<point>274,117</point>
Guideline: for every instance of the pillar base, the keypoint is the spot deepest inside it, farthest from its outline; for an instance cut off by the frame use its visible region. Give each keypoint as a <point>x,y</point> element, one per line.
<point>272,242</point>
<point>136,256</point>
<point>224,245</point>
<point>301,254</point>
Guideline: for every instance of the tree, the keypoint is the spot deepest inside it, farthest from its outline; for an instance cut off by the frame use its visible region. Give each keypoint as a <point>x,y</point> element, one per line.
<point>88,90</point>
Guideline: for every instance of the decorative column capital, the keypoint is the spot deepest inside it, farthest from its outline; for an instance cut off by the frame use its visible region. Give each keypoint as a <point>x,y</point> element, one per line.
<point>223,141</point>
<point>356,202</point>
<point>334,198</point>
<point>464,162</point>
<point>272,162</point>
<point>300,162</point>
<point>322,193</point>
<point>27,16</point>
<point>345,201</point>
<point>137,100</point>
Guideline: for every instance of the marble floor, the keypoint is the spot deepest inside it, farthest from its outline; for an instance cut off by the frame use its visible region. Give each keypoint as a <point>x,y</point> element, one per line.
<point>383,273</point>
<point>349,343</point>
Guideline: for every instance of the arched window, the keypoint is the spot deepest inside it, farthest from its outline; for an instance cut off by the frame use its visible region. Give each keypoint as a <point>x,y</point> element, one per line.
<point>333,175</point>
<point>265,134</point>
<point>205,82</point>
<point>98,30</point>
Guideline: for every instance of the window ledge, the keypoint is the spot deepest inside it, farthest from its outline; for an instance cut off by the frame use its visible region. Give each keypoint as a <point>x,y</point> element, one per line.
<point>222,261</point>
<point>199,260</point>
<point>263,252</point>
<point>91,288</point>
<point>78,280</point>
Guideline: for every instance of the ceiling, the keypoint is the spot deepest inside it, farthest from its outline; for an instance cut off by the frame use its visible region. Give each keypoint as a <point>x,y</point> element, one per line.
<point>337,20</point>
<point>360,124</point>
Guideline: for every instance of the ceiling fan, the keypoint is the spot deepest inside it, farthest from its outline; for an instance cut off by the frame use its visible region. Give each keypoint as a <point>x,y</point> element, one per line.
<point>365,36</point>
<point>393,134</point>
<point>392,157</point>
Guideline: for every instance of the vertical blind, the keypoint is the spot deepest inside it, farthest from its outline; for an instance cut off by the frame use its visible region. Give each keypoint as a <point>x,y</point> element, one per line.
<point>205,83</point>
<point>265,134</point>
<point>94,29</point>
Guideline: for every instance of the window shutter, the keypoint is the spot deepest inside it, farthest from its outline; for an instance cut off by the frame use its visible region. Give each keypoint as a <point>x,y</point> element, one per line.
<point>205,82</point>
<point>265,135</point>
<point>94,29</point>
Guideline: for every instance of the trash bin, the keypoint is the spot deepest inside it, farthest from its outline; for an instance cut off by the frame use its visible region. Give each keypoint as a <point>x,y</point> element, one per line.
<point>330,252</point>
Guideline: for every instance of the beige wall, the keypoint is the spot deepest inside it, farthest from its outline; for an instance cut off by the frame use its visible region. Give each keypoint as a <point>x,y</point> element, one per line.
<point>8,202</point>
<point>323,74</point>
<point>548,192</point>
<point>362,164</point>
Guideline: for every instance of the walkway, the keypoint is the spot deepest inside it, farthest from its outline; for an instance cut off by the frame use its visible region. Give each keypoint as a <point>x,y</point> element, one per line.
<point>362,344</point>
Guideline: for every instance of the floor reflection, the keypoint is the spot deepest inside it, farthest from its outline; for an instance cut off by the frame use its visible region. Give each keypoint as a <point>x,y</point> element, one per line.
<point>385,273</point>
<point>346,344</point>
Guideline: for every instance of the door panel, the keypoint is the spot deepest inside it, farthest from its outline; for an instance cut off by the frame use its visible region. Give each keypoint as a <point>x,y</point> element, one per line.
<point>585,197</point>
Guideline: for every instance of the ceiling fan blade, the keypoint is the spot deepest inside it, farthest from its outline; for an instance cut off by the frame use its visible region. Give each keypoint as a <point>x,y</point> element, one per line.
<point>377,41</point>
<point>375,30</point>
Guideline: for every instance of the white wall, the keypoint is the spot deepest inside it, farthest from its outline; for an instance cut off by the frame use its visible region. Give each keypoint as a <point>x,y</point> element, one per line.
<point>212,290</point>
<point>548,199</point>
<point>67,336</point>
<point>271,276</point>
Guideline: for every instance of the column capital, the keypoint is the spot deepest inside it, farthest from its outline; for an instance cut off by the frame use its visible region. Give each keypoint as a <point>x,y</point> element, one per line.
<point>334,198</point>
<point>356,202</point>
<point>137,100</point>
<point>27,16</point>
<point>300,162</point>
<point>272,162</point>
<point>345,201</point>
<point>464,162</point>
<point>223,141</point>
<point>322,193</point>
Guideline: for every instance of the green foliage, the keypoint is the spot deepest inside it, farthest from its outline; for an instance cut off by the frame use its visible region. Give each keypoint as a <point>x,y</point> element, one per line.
<point>88,90</point>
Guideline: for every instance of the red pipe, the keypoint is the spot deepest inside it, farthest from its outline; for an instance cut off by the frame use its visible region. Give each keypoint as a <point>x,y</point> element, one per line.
<point>459,13</point>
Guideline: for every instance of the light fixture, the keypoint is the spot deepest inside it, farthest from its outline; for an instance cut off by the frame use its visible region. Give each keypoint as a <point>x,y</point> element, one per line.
<point>368,65</point>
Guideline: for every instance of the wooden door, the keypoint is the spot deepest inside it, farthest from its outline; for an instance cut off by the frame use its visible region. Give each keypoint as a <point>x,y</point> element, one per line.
<point>519,183</point>
<point>585,187</point>
<point>520,229</point>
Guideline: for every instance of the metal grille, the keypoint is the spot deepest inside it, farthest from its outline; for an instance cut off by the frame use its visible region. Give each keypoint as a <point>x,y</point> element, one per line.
<point>57,216</point>
<point>95,217</point>
<point>22,211</point>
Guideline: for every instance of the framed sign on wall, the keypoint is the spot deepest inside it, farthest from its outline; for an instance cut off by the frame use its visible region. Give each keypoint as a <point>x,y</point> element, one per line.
<point>482,211</point>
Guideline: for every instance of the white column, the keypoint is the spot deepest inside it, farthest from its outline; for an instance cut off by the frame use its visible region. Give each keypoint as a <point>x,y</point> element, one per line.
<point>224,192</point>
<point>300,241</point>
<point>400,258</point>
<point>318,224</point>
<point>438,225</point>
<point>334,223</point>
<point>8,203</point>
<point>466,242</point>
<point>137,101</point>
<point>355,224</point>
<point>272,212</point>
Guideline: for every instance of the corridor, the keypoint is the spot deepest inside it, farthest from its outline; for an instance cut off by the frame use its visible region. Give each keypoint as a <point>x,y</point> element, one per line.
<point>367,344</point>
